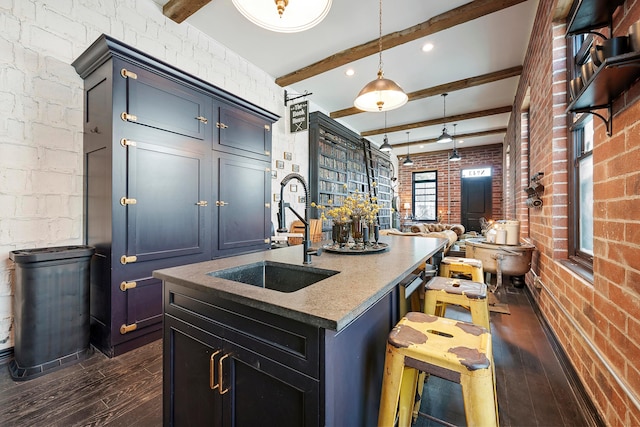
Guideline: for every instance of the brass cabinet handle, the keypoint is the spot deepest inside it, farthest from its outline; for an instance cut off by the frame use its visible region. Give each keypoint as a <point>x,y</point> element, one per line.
<point>124,286</point>
<point>202,119</point>
<point>212,371</point>
<point>221,125</point>
<point>202,203</point>
<point>128,328</point>
<point>221,203</point>
<point>220,375</point>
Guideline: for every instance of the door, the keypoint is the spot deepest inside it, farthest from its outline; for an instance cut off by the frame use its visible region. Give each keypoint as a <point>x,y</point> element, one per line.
<point>240,132</point>
<point>241,207</point>
<point>476,201</point>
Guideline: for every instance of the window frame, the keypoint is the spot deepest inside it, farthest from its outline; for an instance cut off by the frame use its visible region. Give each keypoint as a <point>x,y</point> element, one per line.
<point>413,193</point>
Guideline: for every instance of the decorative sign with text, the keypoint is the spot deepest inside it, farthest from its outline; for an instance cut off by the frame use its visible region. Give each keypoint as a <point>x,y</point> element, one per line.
<point>299,116</point>
<point>476,173</point>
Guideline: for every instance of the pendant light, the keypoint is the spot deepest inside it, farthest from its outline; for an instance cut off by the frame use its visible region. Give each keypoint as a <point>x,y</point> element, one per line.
<point>380,94</point>
<point>282,17</point>
<point>455,157</point>
<point>445,137</point>
<point>407,161</point>
<point>386,147</point>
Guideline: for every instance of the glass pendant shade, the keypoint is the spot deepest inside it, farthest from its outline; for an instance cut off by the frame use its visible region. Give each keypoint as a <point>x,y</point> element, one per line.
<point>284,16</point>
<point>380,95</point>
<point>386,147</point>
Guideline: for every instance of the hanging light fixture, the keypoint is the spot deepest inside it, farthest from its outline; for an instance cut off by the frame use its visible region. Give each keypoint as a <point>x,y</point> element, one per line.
<point>407,161</point>
<point>282,17</point>
<point>455,157</point>
<point>380,94</point>
<point>386,147</point>
<point>445,137</point>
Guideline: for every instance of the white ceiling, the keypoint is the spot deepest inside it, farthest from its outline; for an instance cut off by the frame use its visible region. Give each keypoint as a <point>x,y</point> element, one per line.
<point>491,43</point>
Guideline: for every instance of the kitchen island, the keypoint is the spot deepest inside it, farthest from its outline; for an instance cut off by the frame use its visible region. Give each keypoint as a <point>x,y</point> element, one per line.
<point>237,354</point>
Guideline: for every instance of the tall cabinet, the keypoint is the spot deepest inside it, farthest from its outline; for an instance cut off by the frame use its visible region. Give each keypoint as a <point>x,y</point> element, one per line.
<point>340,163</point>
<point>176,172</point>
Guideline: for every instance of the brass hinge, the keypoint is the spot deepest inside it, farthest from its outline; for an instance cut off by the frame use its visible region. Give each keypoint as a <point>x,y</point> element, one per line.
<point>202,203</point>
<point>128,74</point>
<point>267,127</point>
<point>267,205</point>
<point>221,125</point>
<point>221,203</point>
<point>267,240</point>
<point>128,328</point>
<point>127,142</point>
<point>127,285</point>
<point>124,201</point>
<point>202,119</point>
<point>128,259</point>
<point>128,117</point>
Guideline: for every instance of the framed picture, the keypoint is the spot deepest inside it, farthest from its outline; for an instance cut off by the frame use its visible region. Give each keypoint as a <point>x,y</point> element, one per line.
<point>276,197</point>
<point>274,174</point>
<point>287,156</point>
<point>295,168</point>
<point>293,188</point>
<point>302,199</point>
<point>279,164</point>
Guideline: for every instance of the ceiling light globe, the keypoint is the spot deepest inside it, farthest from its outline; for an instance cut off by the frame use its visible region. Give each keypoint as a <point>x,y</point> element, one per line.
<point>297,15</point>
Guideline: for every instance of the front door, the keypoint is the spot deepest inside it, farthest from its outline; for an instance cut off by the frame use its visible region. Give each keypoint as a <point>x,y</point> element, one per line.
<point>476,197</point>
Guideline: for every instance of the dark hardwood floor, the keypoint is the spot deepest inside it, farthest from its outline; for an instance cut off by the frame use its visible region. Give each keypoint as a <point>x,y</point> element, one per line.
<point>533,389</point>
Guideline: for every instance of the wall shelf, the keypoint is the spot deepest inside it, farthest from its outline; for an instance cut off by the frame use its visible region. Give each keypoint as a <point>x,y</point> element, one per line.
<point>590,15</point>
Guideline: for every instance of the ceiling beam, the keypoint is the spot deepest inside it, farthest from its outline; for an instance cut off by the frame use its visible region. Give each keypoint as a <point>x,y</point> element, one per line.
<point>459,136</point>
<point>179,10</point>
<point>450,119</point>
<point>445,88</point>
<point>449,19</point>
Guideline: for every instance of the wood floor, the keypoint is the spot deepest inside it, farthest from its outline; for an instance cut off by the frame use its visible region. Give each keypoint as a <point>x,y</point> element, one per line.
<point>533,389</point>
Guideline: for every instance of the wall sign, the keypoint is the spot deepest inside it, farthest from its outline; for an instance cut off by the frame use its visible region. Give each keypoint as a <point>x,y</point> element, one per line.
<point>299,116</point>
<point>476,173</point>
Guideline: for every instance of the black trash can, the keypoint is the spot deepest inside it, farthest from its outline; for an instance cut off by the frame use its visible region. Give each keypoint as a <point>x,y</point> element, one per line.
<point>51,309</point>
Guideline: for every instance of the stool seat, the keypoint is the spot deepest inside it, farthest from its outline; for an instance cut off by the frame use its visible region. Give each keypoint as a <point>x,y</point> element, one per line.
<point>461,260</point>
<point>468,288</point>
<point>450,349</point>
<point>470,267</point>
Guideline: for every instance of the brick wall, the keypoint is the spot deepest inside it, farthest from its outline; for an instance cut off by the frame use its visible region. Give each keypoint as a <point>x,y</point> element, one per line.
<point>41,110</point>
<point>472,157</point>
<point>596,323</point>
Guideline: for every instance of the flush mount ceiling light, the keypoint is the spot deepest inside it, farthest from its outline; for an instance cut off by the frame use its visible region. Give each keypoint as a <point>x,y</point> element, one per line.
<point>407,161</point>
<point>386,147</point>
<point>445,137</point>
<point>282,17</point>
<point>380,94</point>
<point>455,157</point>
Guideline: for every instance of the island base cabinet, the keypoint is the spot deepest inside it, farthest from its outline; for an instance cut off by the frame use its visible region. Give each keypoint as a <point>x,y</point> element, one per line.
<point>209,380</point>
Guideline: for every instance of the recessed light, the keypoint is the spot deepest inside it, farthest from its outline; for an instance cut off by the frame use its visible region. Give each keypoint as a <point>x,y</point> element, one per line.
<point>427,47</point>
<point>460,141</point>
<point>349,72</point>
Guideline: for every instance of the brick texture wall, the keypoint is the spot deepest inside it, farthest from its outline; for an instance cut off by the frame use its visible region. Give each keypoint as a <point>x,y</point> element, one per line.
<point>41,110</point>
<point>473,157</point>
<point>597,323</point>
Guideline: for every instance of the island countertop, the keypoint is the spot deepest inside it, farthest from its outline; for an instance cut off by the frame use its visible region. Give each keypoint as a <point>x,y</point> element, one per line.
<point>331,303</point>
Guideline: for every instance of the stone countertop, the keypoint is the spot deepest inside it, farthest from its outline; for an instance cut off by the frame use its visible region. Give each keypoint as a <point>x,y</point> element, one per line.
<point>331,303</point>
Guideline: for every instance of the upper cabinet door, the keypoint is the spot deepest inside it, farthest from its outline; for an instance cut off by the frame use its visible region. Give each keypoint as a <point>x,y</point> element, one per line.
<point>153,100</point>
<point>240,132</point>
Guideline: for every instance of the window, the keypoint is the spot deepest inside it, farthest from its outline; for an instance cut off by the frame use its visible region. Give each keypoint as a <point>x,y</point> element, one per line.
<point>581,172</point>
<point>581,216</point>
<point>425,192</point>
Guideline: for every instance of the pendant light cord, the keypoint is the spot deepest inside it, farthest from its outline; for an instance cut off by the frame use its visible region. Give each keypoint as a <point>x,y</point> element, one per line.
<point>380,40</point>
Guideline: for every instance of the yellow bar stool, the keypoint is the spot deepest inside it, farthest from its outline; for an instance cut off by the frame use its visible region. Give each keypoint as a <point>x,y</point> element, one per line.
<point>472,295</point>
<point>471,267</point>
<point>453,350</point>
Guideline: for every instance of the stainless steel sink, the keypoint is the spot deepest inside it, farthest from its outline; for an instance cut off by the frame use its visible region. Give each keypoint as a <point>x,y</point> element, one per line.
<point>276,276</point>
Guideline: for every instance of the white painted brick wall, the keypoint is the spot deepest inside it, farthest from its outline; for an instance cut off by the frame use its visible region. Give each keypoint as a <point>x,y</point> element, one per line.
<point>41,110</point>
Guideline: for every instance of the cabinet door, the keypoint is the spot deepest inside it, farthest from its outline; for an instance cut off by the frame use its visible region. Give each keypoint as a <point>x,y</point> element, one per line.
<point>167,218</point>
<point>241,215</point>
<point>191,360</point>
<point>159,102</point>
<point>240,132</point>
<point>259,391</point>
<point>142,305</point>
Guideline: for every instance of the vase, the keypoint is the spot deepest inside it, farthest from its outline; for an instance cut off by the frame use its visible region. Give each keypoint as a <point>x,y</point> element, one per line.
<point>357,224</point>
<point>340,233</point>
